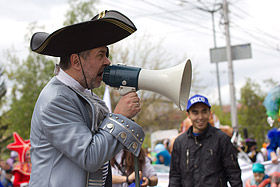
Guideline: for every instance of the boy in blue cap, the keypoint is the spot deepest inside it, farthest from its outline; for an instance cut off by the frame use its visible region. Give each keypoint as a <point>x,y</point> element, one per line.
<point>203,155</point>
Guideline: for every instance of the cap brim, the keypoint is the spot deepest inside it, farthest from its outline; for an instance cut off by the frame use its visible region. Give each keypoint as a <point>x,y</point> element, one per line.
<point>100,31</point>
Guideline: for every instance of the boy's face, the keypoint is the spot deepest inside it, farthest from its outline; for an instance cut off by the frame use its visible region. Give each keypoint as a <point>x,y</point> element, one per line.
<point>259,177</point>
<point>199,114</point>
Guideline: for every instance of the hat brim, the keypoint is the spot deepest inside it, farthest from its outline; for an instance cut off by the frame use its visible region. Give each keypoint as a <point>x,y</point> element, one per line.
<point>110,27</point>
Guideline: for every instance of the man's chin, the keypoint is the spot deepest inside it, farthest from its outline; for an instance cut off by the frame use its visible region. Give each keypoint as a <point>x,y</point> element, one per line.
<point>96,85</point>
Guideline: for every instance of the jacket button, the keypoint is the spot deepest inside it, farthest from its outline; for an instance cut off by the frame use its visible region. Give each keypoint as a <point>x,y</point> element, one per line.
<point>134,146</point>
<point>110,125</point>
<point>123,135</point>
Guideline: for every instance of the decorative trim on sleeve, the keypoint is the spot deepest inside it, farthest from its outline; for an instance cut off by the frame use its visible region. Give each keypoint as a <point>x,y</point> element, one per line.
<point>129,133</point>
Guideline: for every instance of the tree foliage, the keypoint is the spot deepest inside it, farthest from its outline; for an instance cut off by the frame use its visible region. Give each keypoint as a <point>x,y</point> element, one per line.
<point>252,114</point>
<point>3,126</point>
<point>3,87</point>
<point>224,117</point>
<point>28,77</point>
<point>80,11</point>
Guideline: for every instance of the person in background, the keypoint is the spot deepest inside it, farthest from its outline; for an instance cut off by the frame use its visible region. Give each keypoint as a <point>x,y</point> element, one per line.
<point>73,136</point>
<point>275,179</point>
<point>185,125</point>
<point>166,143</point>
<point>163,157</point>
<point>22,171</point>
<point>253,153</point>
<point>13,159</point>
<point>158,148</point>
<point>259,178</point>
<point>123,171</point>
<point>203,155</point>
<point>274,144</point>
<point>6,174</point>
<point>264,151</point>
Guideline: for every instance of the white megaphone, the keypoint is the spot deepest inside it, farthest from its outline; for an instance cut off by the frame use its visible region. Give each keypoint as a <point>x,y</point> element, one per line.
<point>173,83</point>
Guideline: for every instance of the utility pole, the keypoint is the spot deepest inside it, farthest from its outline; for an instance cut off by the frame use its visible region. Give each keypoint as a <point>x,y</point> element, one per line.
<point>217,65</point>
<point>230,69</point>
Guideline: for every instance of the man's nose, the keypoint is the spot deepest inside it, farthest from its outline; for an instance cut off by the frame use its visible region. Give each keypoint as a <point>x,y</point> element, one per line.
<point>107,61</point>
<point>200,115</point>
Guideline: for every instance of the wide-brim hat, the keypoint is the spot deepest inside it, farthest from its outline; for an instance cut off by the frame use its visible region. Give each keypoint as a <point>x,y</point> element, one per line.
<point>104,29</point>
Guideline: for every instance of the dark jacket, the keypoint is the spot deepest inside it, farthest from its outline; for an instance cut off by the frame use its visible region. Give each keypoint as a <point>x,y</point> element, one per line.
<point>206,160</point>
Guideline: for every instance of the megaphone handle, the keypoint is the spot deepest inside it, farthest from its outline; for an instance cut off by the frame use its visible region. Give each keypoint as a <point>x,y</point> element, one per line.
<point>136,169</point>
<point>125,90</point>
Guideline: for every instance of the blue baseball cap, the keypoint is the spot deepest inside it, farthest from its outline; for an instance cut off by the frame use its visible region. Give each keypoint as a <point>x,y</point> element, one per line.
<point>197,99</point>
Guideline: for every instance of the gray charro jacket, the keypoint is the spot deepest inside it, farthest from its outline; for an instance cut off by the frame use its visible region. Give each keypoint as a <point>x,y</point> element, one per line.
<point>205,160</point>
<point>65,148</point>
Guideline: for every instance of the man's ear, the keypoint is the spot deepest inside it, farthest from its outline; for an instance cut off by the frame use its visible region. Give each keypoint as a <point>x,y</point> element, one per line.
<point>75,61</point>
<point>188,113</point>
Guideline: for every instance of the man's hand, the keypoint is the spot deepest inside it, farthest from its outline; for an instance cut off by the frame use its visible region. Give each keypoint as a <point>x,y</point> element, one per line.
<point>128,105</point>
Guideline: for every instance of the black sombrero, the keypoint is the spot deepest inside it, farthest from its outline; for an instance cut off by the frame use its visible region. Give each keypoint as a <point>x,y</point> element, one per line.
<point>104,29</point>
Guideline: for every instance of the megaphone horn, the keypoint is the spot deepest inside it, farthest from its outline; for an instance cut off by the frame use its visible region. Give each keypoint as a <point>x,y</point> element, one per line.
<point>173,83</point>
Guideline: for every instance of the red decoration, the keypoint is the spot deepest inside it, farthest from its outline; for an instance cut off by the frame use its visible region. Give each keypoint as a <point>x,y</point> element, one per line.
<point>21,146</point>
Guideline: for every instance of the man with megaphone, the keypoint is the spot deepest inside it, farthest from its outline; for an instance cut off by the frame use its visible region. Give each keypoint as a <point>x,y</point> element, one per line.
<point>73,136</point>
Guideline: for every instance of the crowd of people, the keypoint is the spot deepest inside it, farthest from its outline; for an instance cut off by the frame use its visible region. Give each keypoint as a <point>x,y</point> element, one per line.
<point>199,145</point>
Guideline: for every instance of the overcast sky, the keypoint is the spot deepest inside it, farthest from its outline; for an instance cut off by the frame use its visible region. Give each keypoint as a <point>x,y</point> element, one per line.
<point>185,29</point>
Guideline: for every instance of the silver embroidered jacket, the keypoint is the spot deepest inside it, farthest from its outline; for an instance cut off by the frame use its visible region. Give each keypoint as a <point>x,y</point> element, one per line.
<point>66,148</point>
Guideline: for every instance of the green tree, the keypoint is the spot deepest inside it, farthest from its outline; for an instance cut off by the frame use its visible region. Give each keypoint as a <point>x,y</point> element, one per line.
<point>28,77</point>
<point>3,87</point>
<point>223,116</point>
<point>3,126</point>
<point>252,114</point>
<point>80,11</point>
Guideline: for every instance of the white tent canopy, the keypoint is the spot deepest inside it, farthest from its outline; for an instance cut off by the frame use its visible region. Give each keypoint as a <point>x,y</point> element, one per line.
<point>162,135</point>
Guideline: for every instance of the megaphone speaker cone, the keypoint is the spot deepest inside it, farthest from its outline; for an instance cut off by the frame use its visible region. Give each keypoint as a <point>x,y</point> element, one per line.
<point>173,83</point>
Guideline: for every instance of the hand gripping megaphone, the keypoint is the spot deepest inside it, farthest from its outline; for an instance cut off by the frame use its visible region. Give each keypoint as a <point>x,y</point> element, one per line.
<point>173,83</point>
